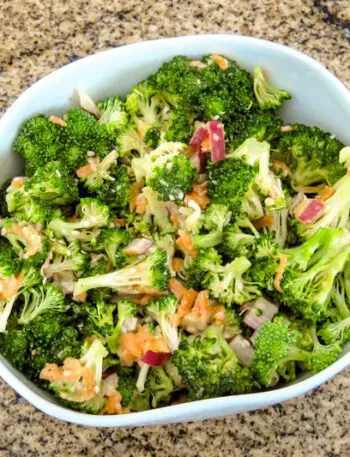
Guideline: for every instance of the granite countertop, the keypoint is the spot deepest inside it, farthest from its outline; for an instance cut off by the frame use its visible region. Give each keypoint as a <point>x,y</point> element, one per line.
<point>37,37</point>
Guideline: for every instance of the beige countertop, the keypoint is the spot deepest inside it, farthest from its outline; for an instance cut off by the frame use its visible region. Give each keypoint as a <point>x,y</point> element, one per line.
<point>38,36</point>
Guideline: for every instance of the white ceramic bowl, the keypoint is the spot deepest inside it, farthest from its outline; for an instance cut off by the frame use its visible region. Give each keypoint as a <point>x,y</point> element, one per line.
<point>318,99</point>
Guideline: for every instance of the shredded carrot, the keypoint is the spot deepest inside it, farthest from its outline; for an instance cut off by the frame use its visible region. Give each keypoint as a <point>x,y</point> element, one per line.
<point>278,165</point>
<point>145,299</point>
<point>177,288</point>
<point>185,243</point>
<point>177,264</point>
<point>198,318</point>
<point>286,128</point>
<point>326,193</point>
<point>18,182</point>
<point>58,120</point>
<point>175,215</point>
<point>221,61</point>
<point>72,372</point>
<point>141,204</point>
<point>148,290</point>
<point>187,301</point>
<point>265,221</point>
<point>189,151</point>
<point>206,143</point>
<point>119,222</point>
<point>134,345</point>
<point>282,266</point>
<point>113,405</point>
<point>31,235</point>
<point>199,195</point>
<point>9,286</point>
<point>81,298</point>
<point>135,190</point>
<point>197,64</point>
<point>86,170</point>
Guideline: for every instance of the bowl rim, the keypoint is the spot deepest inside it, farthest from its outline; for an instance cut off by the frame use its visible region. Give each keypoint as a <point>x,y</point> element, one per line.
<point>174,413</point>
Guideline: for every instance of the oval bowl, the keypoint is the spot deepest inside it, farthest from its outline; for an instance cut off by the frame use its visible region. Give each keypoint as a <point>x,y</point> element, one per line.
<point>319,98</point>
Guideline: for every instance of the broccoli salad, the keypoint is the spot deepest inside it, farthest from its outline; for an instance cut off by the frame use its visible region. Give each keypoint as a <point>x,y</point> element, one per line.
<point>179,243</point>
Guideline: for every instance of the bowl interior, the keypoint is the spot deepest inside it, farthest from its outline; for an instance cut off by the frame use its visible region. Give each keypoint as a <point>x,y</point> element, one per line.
<point>318,99</point>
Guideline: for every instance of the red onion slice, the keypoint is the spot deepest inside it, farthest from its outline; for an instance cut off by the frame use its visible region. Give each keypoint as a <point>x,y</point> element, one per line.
<point>156,359</point>
<point>200,133</point>
<point>138,246</point>
<point>216,133</point>
<point>309,210</point>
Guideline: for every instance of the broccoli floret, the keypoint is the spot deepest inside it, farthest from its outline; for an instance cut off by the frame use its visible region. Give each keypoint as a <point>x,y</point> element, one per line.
<point>163,310</point>
<point>232,325</point>
<point>112,241</point>
<point>40,300</point>
<point>93,213</point>
<point>27,278</point>
<point>337,330</point>
<point>50,347</point>
<point>160,386</point>
<point>239,239</point>
<point>205,89</point>
<point>311,270</point>
<point>117,194</point>
<point>10,263</point>
<point>264,261</point>
<point>100,320</point>
<point>231,283</point>
<point>257,154</point>
<point>268,96</point>
<point>152,137</point>
<point>67,258</point>
<point>179,125</point>
<point>99,265</point>
<point>127,385</point>
<point>336,210</point>
<point>151,272</point>
<point>145,107</point>
<point>38,141</point>
<point>126,310</point>
<point>30,209</point>
<point>209,367</point>
<point>197,272</point>
<point>3,202</point>
<point>99,173</point>
<point>229,181</point>
<point>14,347</point>
<point>94,406</point>
<point>174,179</point>
<point>277,344</point>
<point>46,327</point>
<point>216,217</point>
<point>312,155</point>
<point>130,140</point>
<point>157,210</point>
<point>82,134</point>
<point>113,114</point>
<point>264,126</point>
<point>52,183</point>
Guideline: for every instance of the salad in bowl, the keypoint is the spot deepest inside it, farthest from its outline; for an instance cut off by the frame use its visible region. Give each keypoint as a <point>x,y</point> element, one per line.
<point>178,243</point>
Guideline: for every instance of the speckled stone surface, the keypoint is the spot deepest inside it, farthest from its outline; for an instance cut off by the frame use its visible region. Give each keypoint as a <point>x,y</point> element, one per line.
<point>38,36</point>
